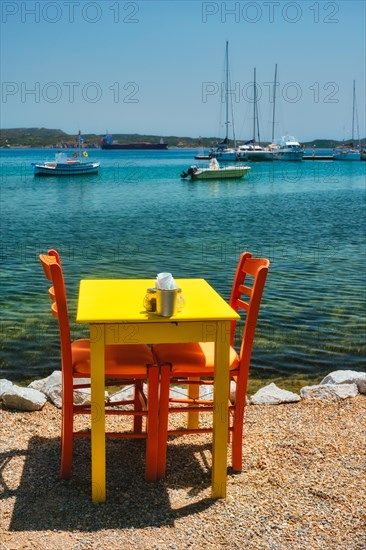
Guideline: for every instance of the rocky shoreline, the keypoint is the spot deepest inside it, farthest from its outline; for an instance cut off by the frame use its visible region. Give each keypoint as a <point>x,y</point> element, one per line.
<point>303,483</point>
<point>336,385</point>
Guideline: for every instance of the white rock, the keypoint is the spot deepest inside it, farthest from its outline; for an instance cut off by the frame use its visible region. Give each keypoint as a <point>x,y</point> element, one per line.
<point>273,395</point>
<point>45,383</point>
<point>329,391</point>
<point>23,399</point>
<point>347,377</point>
<point>5,385</point>
<point>81,396</point>
<point>38,385</point>
<point>51,386</point>
<point>124,394</point>
<point>54,395</point>
<point>206,392</point>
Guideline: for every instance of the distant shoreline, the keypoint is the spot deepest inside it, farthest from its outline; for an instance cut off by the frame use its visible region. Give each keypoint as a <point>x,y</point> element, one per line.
<point>198,147</point>
<point>44,138</point>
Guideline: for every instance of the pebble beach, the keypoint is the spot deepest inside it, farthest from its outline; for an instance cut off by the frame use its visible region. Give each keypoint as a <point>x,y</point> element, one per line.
<point>303,485</point>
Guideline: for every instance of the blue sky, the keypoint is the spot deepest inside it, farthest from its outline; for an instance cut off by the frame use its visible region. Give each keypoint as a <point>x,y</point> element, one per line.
<point>157,66</point>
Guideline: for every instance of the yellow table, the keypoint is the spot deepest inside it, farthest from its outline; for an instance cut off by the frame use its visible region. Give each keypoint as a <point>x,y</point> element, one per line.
<point>114,310</point>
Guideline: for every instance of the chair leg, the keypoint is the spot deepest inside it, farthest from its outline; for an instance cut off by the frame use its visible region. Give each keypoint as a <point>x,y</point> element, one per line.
<point>238,426</point>
<point>152,423</point>
<point>66,439</point>
<point>137,420</point>
<point>163,419</point>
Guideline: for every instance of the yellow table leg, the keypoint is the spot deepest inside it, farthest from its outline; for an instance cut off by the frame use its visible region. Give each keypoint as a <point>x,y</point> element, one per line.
<point>98,454</point>
<point>220,416</point>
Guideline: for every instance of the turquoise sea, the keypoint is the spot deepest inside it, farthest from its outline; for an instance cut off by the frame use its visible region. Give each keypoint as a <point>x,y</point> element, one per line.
<point>137,218</point>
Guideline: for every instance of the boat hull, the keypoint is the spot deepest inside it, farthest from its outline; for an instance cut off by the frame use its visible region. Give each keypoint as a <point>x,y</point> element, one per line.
<point>347,155</point>
<point>287,148</point>
<point>255,155</point>
<point>135,146</point>
<point>288,155</point>
<point>223,173</point>
<point>54,169</point>
<point>224,156</point>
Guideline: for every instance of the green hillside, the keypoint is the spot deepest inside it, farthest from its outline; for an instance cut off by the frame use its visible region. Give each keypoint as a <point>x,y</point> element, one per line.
<point>45,137</point>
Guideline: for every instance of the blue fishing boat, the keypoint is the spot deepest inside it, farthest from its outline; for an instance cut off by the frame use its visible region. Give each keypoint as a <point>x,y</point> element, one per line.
<point>64,166</point>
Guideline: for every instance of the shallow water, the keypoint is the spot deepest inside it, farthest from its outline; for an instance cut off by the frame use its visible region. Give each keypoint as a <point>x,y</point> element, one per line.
<point>137,218</point>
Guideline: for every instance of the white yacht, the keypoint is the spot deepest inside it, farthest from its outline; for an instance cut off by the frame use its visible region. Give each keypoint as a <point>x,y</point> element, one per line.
<point>251,151</point>
<point>287,148</point>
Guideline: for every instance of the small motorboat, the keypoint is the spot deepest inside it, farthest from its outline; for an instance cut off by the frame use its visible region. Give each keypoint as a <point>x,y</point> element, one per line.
<point>63,166</point>
<point>214,171</point>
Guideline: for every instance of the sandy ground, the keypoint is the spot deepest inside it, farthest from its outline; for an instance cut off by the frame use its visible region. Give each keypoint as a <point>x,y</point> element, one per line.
<point>303,486</point>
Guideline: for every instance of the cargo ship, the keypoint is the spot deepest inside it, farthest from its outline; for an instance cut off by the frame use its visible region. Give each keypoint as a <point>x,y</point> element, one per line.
<point>108,143</point>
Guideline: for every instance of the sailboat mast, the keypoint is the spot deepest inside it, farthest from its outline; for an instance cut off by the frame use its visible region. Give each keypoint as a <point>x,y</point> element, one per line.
<point>227,91</point>
<point>254,103</point>
<point>353,111</point>
<point>274,102</point>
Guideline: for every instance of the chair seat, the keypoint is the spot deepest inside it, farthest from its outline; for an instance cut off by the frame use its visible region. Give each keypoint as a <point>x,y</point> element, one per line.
<point>118,359</point>
<point>192,357</point>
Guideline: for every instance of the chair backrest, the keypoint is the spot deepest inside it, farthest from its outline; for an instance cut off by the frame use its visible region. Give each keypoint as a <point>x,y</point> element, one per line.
<point>52,268</point>
<point>246,294</point>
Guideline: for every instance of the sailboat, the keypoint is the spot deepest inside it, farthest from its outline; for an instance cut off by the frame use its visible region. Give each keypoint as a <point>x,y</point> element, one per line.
<point>251,150</point>
<point>222,151</point>
<point>286,148</point>
<point>349,152</point>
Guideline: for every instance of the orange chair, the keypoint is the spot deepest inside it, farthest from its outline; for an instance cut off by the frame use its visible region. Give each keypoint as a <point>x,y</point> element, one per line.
<point>193,364</point>
<point>124,364</point>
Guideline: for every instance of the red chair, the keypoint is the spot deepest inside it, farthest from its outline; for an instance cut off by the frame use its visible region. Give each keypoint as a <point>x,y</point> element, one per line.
<point>124,364</point>
<point>193,364</point>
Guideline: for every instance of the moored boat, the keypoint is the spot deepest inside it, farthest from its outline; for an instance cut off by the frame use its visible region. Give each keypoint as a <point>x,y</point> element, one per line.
<point>287,148</point>
<point>253,152</point>
<point>223,151</point>
<point>214,171</point>
<point>346,153</point>
<point>349,151</point>
<point>107,142</point>
<point>63,166</point>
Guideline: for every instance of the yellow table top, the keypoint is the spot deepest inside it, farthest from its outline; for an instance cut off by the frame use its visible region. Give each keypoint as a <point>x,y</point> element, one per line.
<point>121,300</point>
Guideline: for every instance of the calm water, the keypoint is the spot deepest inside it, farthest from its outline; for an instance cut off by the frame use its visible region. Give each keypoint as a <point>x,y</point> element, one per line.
<point>137,218</point>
